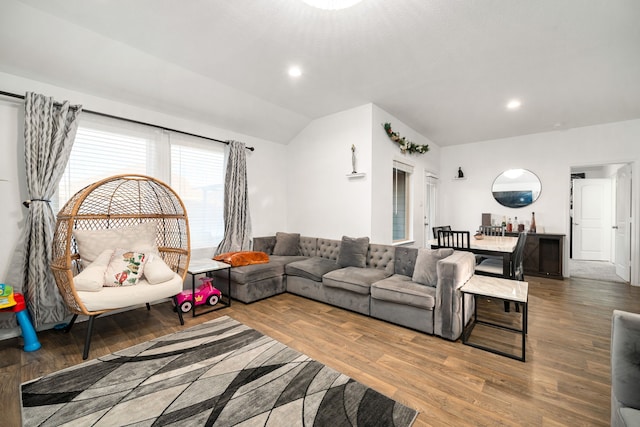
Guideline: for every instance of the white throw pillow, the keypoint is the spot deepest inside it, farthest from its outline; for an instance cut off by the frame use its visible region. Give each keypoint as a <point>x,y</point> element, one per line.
<point>425,270</point>
<point>125,268</point>
<point>91,243</point>
<point>91,279</point>
<point>156,270</point>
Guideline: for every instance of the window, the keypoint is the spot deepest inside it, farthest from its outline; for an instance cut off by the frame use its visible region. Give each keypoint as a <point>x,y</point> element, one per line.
<point>193,167</point>
<point>197,176</point>
<point>401,201</point>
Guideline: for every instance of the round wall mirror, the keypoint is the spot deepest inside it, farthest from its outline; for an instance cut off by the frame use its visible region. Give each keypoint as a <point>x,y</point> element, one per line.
<point>516,188</point>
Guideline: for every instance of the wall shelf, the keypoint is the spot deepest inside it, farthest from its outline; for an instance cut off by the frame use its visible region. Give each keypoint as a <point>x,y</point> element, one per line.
<point>356,175</point>
<point>459,179</point>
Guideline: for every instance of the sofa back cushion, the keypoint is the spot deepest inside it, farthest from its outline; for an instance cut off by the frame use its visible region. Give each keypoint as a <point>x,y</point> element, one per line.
<point>381,257</point>
<point>287,244</point>
<point>425,271</point>
<point>353,252</point>
<point>405,260</point>
<point>264,244</point>
<point>328,248</point>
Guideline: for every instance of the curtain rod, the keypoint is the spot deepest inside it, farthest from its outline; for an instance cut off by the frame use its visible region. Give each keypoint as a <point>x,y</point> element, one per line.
<point>15,95</point>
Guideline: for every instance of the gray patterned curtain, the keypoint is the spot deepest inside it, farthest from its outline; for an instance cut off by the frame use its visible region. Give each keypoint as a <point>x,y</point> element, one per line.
<point>237,221</point>
<point>49,131</point>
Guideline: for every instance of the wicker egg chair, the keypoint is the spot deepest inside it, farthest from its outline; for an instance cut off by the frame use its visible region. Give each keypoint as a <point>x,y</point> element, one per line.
<point>113,203</point>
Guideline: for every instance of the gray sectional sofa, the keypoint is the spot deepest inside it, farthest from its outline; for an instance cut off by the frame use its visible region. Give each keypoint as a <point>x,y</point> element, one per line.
<point>418,289</point>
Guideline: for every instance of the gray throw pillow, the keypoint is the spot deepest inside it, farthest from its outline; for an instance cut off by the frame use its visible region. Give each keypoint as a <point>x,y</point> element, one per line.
<point>425,271</point>
<point>287,244</point>
<point>353,252</point>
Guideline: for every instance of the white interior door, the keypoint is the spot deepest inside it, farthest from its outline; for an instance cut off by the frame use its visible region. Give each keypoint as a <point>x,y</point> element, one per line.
<point>622,227</point>
<point>430,205</point>
<point>592,219</point>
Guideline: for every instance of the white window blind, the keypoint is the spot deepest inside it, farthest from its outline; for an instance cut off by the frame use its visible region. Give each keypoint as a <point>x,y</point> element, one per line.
<point>105,147</point>
<point>197,175</point>
<point>193,167</point>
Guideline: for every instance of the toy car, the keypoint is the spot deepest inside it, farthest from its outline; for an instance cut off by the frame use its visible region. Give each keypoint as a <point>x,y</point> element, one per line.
<point>206,293</point>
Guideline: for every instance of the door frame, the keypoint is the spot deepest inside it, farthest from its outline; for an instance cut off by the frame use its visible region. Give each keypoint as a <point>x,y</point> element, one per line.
<point>626,221</point>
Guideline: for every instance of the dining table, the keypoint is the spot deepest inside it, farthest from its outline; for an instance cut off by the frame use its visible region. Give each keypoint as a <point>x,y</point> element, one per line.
<point>496,246</point>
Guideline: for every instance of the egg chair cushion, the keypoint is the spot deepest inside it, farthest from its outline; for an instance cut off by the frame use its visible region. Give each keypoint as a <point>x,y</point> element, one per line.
<point>110,298</point>
<point>92,243</point>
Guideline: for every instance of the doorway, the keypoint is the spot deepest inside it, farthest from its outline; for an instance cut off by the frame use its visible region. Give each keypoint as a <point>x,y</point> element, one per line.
<point>600,222</point>
<point>430,205</point>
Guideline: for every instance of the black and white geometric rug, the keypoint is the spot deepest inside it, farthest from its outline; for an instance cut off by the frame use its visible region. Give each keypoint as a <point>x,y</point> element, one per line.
<point>219,373</point>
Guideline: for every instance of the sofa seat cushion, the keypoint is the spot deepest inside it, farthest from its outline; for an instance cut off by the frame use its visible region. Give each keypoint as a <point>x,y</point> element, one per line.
<point>354,279</point>
<point>630,416</point>
<point>110,298</point>
<point>313,268</point>
<point>256,272</point>
<point>401,289</point>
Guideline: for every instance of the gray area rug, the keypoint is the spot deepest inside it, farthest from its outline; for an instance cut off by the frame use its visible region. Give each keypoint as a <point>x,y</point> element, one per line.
<point>596,270</point>
<point>219,373</point>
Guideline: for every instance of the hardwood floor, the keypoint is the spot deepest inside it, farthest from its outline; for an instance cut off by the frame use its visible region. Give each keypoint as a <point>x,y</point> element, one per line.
<point>565,380</point>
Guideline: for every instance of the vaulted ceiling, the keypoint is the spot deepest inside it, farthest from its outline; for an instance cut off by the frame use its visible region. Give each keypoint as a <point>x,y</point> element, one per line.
<point>446,68</point>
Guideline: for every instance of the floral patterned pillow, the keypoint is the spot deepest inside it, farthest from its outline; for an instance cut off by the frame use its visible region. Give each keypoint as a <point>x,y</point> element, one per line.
<point>125,268</point>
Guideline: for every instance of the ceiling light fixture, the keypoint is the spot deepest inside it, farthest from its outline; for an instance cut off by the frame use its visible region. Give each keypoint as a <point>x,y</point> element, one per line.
<point>295,71</point>
<point>332,4</point>
<point>514,104</point>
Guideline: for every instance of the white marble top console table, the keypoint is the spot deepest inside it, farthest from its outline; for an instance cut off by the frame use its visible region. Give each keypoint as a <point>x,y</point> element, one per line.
<point>498,288</point>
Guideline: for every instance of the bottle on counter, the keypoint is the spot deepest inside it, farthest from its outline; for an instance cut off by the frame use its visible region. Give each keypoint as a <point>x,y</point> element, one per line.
<point>509,226</point>
<point>532,229</point>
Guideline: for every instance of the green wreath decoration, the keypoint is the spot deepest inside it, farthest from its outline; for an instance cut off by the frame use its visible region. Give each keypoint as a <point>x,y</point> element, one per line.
<point>405,145</point>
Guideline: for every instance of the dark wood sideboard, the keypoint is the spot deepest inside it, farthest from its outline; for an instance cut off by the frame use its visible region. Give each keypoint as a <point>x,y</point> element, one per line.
<point>543,255</point>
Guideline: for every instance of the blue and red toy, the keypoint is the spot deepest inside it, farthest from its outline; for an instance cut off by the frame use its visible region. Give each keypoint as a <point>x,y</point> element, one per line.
<point>10,301</point>
<point>206,293</point>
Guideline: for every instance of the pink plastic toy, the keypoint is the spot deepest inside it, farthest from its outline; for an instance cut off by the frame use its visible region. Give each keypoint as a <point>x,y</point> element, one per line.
<point>206,293</point>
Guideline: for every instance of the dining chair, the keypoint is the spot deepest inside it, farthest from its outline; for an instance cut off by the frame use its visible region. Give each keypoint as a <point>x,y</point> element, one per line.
<point>442,227</point>
<point>454,239</point>
<point>493,266</point>
<point>492,230</point>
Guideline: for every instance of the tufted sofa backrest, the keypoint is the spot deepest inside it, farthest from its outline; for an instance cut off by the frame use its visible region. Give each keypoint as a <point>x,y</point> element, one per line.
<point>308,246</point>
<point>381,257</point>
<point>328,248</point>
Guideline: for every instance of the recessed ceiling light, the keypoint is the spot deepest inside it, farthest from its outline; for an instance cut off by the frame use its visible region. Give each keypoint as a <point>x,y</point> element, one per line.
<point>514,104</point>
<point>295,71</point>
<point>332,4</point>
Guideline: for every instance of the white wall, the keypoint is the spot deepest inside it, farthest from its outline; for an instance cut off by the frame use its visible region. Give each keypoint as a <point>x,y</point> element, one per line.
<point>385,152</point>
<point>550,156</point>
<point>324,201</point>
<point>321,200</point>
<point>266,165</point>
